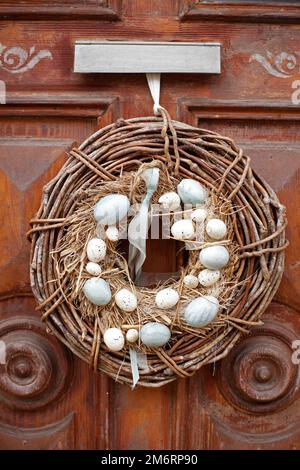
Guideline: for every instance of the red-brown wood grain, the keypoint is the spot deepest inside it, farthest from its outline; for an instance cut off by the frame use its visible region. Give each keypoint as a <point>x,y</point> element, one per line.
<point>48,109</point>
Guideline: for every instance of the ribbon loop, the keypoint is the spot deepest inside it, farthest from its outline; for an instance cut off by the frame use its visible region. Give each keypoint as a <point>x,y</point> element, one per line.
<point>154,86</point>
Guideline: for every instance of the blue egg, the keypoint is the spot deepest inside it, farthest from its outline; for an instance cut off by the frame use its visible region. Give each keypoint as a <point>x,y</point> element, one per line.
<point>201,311</point>
<point>111,209</point>
<point>97,291</point>
<point>155,335</point>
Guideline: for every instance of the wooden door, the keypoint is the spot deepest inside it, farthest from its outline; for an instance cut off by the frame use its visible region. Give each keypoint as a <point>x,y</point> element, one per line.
<point>49,398</point>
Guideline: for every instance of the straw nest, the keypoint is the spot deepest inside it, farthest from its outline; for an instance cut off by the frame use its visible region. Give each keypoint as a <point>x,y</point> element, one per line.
<point>111,161</point>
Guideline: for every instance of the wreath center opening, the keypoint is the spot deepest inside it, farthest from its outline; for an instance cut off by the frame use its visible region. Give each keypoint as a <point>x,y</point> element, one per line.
<point>164,261</point>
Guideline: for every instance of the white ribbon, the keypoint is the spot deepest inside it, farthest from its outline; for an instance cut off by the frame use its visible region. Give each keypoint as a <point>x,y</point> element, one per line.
<point>138,360</point>
<point>154,86</point>
<point>139,226</point>
<point>134,367</point>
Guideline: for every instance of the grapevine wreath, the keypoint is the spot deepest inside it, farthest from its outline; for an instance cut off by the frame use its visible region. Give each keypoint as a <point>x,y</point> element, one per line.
<point>231,228</point>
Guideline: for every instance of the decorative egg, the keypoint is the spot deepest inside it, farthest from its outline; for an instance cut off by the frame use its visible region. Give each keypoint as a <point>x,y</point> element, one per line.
<point>96,250</point>
<point>126,300</point>
<point>199,215</point>
<point>201,311</point>
<point>112,233</point>
<point>190,281</point>
<point>214,257</point>
<point>111,209</point>
<point>97,291</point>
<point>155,335</point>
<point>114,339</point>
<point>93,268</point>
<point>183,230</point>
<point>216,229</point>
<point>191,191</point>
<point>132,335</point>
<point>166,298</point>
<point>208,277</point>
<point>170,201</point>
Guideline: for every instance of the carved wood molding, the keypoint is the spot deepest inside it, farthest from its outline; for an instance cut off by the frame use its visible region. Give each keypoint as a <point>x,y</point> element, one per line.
<point>251,397</point>
<point>243,11</point>
<point>263,377</point>
<point>38,369</point>
<point>72,104</point>
<point>28,163</point>
<point>25,163</point>
<point>94,9</point>
<point>192,110</point>
<point>55,436</point>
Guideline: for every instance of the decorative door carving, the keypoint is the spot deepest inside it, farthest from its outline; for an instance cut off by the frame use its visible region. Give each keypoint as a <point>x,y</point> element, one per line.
<point>50,399</point>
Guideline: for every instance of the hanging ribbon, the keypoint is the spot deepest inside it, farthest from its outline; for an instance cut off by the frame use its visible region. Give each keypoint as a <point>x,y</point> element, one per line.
<point>134,367</point>
<point>154,86</point>
<point>153,80</point>
<point>139,226</point>
<point>138,360</point>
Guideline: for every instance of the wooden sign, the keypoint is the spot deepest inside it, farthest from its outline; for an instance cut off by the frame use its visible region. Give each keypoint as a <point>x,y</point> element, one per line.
<point>147,57</point>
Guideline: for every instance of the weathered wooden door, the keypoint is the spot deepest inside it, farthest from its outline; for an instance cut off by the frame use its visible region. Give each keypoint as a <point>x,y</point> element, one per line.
<point>50,399</point>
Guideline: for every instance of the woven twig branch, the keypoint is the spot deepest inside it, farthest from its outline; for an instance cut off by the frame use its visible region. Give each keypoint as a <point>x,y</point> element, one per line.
<point>258,224</point>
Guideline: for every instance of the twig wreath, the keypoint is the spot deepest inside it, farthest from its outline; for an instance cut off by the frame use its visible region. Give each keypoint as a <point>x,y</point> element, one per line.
<point>228,219</point>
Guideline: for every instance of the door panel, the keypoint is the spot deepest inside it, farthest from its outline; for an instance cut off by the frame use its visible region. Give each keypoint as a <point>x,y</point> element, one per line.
<point>241,10</point>
<point>250,399</point>
<point>37,9</point>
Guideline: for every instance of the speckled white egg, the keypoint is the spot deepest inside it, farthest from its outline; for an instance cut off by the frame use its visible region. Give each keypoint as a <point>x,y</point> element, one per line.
<point>170,201</point>
<point>199,215</point>
<point>216,229</point>
<point>214,257</point>
<point>96,250</point>
<point>93,268</point>
<point>126,300</point>
<point>166,298</point>
<point>155,335</point>
<point>208,277</point>
<point>114,339</point>
<point>97,291</point>
<point>111,209</point>
<point>190,281</point>
<point>201,311</point>
<point>132,335</point>
<point>183,230</point>
<point>112,233</point>
<point>191,191</point>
